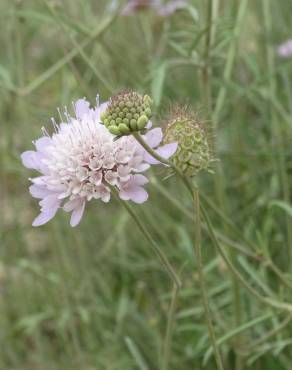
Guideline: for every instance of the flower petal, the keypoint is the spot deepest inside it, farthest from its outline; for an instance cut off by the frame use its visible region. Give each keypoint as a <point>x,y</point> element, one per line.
<point>28,159</point>
<point>39,191</point>
<point>135,193</point>
<point>165,151</point>
<point>72,204</point>
<point>149,125</point>
<point>82,108</point>
<point>77,214</point>
<point>50,201</point>
<point>141,167</point>
<point>138,180</point>
<point>154,137</point>
<point>42,143</point>
<point>44,217</point>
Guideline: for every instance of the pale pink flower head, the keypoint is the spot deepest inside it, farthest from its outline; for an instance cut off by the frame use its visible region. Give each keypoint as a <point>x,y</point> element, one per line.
<point>82,161</point>
<point>284,50</point>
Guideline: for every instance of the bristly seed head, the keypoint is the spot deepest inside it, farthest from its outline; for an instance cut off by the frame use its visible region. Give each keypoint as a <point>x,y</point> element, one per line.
<point>194,152</point>
<point>127,112</point>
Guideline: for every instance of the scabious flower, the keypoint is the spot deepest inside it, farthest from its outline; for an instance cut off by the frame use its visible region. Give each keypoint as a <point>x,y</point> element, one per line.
<point>285,49</point>
<point>194,152</point>
<point>82,161</point>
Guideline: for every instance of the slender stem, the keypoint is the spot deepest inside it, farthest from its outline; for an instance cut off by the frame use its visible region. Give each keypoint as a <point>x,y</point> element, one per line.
<point>169,330</point>
<point>162,257</point>
<point>271,333</point>
<point>227,221</point>
<point>155,155</point>
<point>240,278</point>
<point>99,75</point>
<point>224,239</point>
<point>277,132</point>
<point>219,180</point>
<point>227,336</point>
<point>202,282</point>
<point>206,70</point>
<point>172,274</point>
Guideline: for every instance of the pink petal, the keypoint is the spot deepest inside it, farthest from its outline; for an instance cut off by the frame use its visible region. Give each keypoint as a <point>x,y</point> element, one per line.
<point>81,108</point>
<point>44,217</point>
<point>72,204</point>
<point>138,180</point>
<point>42,143</point>
<point>77,214</point>
<point>100,109</point>
<point>141,167</point>
<point>154,137</point>
<point>149,125</point>
<point>165,151</point>
<point>40,180</point>
<point>106,197</point>
<point>39,191</point>
<point>29,159</point>
<point>50,201</point>
<point>135,193</point>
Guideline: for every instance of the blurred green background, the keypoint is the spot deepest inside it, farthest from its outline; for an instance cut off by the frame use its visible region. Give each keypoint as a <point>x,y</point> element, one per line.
<point>95,297</point>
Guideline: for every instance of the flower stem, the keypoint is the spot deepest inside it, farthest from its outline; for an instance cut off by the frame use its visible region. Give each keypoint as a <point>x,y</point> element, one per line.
<point>240,278</point>
<point>155,155</point>
<point>169,330</point>
<point>202,282</point>
<point>267,262</point>
<point>172,274</point>
<point>162,257</point>
<point>206,70</point>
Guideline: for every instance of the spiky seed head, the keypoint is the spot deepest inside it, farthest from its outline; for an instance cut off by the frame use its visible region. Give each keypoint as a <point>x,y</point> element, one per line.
<point>127,112</point>
<point>194,152</point>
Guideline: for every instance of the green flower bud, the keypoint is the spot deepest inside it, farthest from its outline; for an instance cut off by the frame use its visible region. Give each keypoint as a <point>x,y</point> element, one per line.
<point>194,152</point>
<point>148,112</point>
<point>127,112</point>
<point>114,130</point>
<point>133,125</point>
<point>124,129</point>
<point>142,121</point>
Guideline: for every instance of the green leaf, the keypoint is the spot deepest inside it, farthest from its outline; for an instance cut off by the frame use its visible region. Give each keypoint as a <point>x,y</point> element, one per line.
<point>282,205</point>
<point>157,84</point>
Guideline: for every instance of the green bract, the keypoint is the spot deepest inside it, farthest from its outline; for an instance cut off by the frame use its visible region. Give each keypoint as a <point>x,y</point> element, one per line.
<point>127,112</point>
<point>193,153</point>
